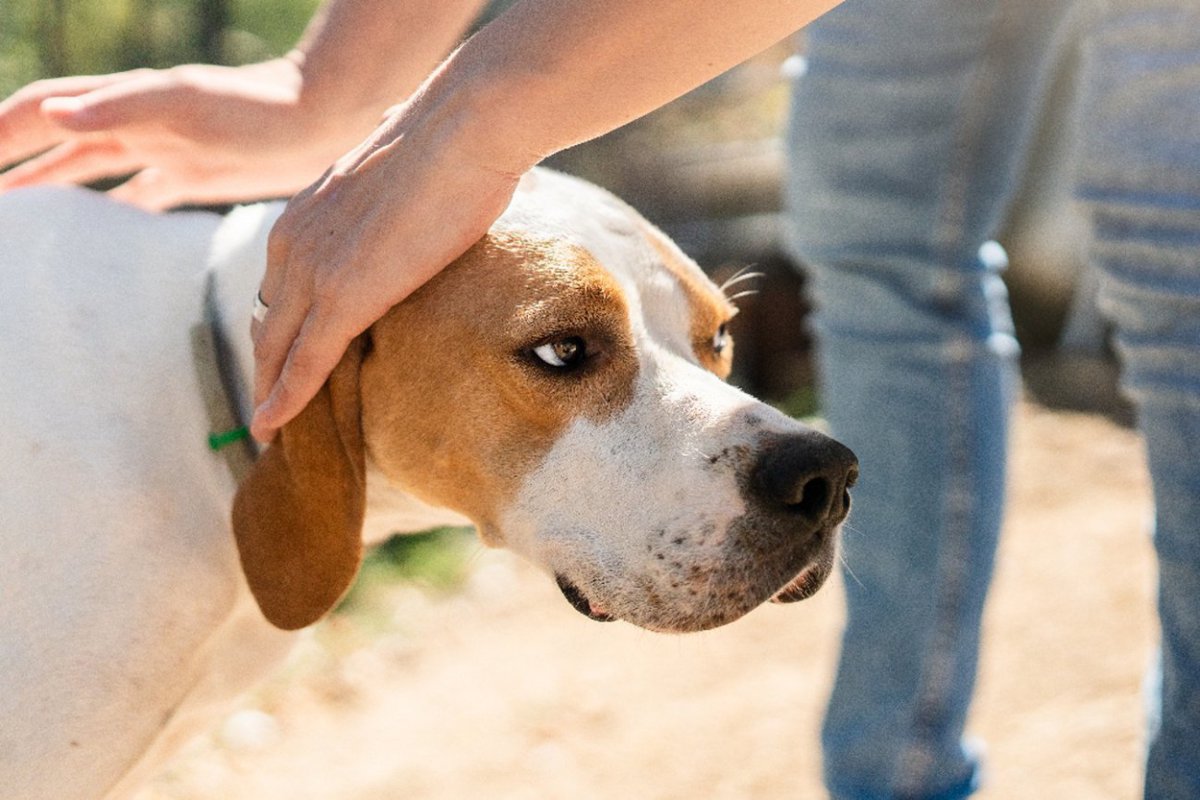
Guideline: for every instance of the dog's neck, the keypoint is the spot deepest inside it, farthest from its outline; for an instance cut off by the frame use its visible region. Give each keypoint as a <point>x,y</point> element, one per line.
<point>237,259</point>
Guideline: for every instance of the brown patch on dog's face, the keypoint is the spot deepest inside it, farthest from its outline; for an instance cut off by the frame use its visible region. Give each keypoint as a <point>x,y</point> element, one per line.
<point>710,310</point>
<point>458,407</point>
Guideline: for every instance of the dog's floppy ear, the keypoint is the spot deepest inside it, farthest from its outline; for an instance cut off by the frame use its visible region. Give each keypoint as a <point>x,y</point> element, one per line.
<point>298,515</point>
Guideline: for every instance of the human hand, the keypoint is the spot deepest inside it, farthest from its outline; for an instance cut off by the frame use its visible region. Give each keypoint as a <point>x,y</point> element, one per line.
<point>380,222</point>
<point>195,133</point>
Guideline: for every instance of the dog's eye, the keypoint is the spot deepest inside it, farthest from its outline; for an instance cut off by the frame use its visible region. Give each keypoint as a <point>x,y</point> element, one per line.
<point>562,353</point>
<point>720,339</point>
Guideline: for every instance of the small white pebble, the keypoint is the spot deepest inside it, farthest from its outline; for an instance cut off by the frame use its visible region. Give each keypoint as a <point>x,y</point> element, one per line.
<point>794,67</point>
<point>249,730</point>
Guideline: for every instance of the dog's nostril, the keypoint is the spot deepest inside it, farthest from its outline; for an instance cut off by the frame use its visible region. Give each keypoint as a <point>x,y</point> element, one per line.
<point>800,491</point>
<point>807,474</point>
<point>814,497</point>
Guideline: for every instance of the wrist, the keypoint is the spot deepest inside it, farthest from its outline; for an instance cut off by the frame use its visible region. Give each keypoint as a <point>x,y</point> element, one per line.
<point>328,118</point>
<point>472,105</point>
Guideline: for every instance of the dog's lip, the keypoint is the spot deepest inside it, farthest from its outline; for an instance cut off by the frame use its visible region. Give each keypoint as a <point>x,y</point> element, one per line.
<point>580,602</point>
<point>807,582</point>
<point>802,587</point>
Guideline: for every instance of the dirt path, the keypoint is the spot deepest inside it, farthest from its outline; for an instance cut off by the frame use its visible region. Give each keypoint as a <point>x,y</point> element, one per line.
<point>503,692</point>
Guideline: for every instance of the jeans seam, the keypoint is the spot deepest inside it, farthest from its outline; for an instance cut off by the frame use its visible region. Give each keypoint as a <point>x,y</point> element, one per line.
<point>914,771</point>
<point>950,220</point>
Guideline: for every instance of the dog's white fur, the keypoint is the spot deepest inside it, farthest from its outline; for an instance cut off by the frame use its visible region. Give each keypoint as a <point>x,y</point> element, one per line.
<point>126,622</point>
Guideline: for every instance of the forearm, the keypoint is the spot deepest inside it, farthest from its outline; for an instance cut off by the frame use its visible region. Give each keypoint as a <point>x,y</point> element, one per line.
<point>552,73</point>
<point>358,57</point>
<point>431,180</point>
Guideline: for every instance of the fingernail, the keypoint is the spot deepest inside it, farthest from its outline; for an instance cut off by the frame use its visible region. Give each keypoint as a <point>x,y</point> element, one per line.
<point>258,427</point>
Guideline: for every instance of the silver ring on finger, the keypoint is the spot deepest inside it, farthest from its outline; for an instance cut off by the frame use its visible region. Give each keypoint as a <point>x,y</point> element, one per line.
<point>260,307</point>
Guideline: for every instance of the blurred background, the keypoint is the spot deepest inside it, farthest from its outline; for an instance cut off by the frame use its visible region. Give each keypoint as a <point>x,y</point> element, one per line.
<point>52,38</point>
<point>706,168</point>
<point>454,672</point>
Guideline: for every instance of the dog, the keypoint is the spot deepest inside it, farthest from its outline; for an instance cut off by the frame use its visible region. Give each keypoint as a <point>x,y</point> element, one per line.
<point>560,387</point>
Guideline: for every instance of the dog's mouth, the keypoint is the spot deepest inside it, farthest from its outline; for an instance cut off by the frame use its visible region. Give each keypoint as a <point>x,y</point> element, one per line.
<point>803,586</point>
<point>579,602</point>
<point>810,579</point>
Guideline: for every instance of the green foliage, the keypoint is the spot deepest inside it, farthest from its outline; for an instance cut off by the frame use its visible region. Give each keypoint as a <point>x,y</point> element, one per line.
<point>273,25</point>
<point>436,559</point>
<point>803,404</point>
<point>49,38</point>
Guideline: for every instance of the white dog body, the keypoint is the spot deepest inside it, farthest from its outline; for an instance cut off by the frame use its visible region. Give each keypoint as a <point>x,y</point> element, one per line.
<point>632,474</point>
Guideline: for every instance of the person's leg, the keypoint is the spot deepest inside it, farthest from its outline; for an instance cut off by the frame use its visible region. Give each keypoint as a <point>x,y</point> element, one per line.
<point>1140,177</point>
<point>907,137</point>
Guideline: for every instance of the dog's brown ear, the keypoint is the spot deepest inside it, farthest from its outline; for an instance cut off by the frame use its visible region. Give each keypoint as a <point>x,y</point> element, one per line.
<point>298,515</point>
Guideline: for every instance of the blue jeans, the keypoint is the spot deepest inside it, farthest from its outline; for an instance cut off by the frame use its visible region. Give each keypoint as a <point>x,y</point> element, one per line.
<point>1140,176</point>
<point>908,135</point>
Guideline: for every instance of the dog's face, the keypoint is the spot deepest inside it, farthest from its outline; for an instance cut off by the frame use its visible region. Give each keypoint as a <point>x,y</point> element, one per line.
<point>561,385</point>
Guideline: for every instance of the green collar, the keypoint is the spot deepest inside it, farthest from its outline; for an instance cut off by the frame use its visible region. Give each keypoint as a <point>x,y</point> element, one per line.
<point>221,389</point>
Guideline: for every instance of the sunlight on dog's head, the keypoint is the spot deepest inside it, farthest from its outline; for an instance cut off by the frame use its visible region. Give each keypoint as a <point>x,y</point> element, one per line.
<point>561,385</point>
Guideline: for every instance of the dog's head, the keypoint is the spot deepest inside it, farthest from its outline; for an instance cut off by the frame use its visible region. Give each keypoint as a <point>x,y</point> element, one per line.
<point>561,385</point>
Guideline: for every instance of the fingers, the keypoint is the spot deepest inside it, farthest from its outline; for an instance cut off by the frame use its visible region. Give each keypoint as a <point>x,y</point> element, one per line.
<point>78,161</point>
<point>26,130</point>
<point>274,338</point>
<point>309,363</point>
<point>282,352</point>
<point>351,246</point>
<point>151,189</point>
<point>296,347</point>
<point>140,96</point>
<point>66,115</point>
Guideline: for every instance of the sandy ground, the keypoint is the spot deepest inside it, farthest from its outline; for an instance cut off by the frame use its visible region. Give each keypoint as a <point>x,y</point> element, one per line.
<point>502,691</point>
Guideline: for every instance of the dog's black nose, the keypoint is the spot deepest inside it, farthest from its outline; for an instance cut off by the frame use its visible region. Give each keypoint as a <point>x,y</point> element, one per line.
<point>807,474</point>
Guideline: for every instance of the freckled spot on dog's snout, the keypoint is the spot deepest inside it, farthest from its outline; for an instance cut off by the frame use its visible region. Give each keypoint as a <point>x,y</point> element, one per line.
<point>660,556</point>
<point>753,421</point>
<point>717,458</point>
<point>679,540</point>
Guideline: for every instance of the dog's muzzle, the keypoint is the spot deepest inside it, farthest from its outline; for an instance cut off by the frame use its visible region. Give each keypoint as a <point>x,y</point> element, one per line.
<point>795,488</point>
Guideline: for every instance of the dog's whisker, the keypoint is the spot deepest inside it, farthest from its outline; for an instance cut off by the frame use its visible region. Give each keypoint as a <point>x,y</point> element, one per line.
<point>846,566</point>
<point>846,526</point>
<point>740,277</point>
<point>745,293</point>
<point>841,556</point>
<point>736,276</point>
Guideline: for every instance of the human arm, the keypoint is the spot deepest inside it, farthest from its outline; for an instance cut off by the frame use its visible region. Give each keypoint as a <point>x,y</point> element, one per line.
<point>440,169</point>
<point>201,133</point>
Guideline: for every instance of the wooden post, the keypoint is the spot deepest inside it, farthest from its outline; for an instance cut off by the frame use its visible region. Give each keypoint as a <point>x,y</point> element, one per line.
<point>212,18</point>
<point>52,38</point>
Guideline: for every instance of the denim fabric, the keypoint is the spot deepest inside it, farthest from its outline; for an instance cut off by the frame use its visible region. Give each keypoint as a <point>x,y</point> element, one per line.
<point>907,135</point>
<point>1140,177</point>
